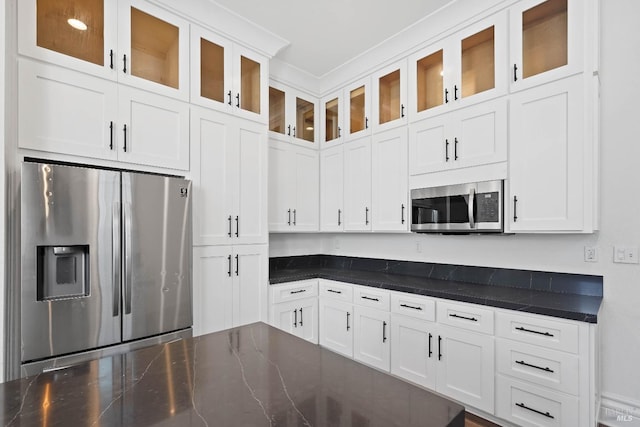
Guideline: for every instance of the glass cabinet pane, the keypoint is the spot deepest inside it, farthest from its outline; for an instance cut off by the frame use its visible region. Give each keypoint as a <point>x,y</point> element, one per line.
<point>211,71</point>
<point>304,120</point>
<point>544,37</point>
<point>357,112</point>
<point>249,85</point>
<point>332,131</point>
<point>276,110</point>
<point>478,63</point>
<point>154,49</point>
<point>430,81</point>
<point>389,102</point>
<point>72,27</point>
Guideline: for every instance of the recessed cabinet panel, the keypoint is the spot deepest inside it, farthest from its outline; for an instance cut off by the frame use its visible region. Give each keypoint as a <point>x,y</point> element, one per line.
<point>74,28</point>
<point>332,189</point>
<point>249,85</point>
<point>212,70</point>
<point>277,109</point>
<point>544,37</point>
<point>478,62</point>
<point>430,81</point>
<point>332,126</point>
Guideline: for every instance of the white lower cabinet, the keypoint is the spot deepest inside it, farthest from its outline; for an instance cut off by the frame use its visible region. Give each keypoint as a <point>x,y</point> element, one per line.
<point>371,343</point>
<point>412,350</point>
<point>228,286</point>
<point>294,308</point>
<point>336,326</point>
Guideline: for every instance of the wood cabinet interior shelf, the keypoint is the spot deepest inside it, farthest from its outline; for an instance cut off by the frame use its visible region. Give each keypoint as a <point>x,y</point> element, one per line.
<point>544,37</point>
<point>211,70</point>
<point>249,85</point>
<point>357,102</point>
<point>154,49</point>
<point>55,32</point>
<point>430,81</point>
<point>389,101</point>
<point>276,110</point>
<point>305,120</point>
<point>478,62</point>
<point>331,120</point>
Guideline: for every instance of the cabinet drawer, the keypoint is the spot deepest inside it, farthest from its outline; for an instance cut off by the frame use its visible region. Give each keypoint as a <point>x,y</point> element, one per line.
<point>336,290</point>
<point>466,316</point>
<point>550,333</point>
<point>371,297</point>
<point>413,305</point>
<point>294,291</point>
<point>542,366</point>
<point>527,405</point>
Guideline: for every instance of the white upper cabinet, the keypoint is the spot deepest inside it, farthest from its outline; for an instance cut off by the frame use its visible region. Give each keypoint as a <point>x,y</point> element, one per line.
<point>546,40</point>
<point>357,107</point>
<point>293,116</point>
<point>357,185</point>
<point>464,68</point>
<point>332,189</point>
<point>332,108</point>
<point>389,105</point>
<point>228,77</point>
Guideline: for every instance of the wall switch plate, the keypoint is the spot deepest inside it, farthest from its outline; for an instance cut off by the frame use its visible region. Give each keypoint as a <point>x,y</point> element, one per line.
<point>590,254</point>
<point>625,254</point>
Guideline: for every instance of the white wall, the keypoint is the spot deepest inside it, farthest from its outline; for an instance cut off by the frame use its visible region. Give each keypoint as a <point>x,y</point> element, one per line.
<point>2,172</point>
<point>620,217</point>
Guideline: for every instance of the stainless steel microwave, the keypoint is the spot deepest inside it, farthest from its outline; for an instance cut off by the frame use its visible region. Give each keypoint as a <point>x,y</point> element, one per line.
<point>465,208</point>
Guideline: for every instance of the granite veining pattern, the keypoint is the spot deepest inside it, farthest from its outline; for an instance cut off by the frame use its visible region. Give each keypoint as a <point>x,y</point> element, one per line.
<point>255,375</point>
<point>569,296</point>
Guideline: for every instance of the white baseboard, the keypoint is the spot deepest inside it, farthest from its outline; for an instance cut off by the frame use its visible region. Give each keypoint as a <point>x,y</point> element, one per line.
<point>616,411</point>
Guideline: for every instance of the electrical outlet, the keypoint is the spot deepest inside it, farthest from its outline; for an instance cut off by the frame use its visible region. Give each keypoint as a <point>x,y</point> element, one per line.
<point>625,254</point>
<point>590,254</point>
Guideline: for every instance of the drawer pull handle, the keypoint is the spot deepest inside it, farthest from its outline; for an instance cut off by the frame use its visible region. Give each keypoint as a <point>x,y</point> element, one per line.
<point>369,298</point>
<point>300,322</point>
<point>298,291</point>
<point>473,319</point>
<point>546,334</point>
<point>410,306</point>
<point>546,414</point>
<point>430,352</point>
<point>334,291</point>
<point>348,327</point>
<point>384,332</point>
<point>523,363</point>
<point>295,318</point>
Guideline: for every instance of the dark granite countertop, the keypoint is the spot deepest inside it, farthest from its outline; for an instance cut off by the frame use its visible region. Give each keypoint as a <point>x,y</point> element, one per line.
<point>583,306</point>
<point>254,375</point>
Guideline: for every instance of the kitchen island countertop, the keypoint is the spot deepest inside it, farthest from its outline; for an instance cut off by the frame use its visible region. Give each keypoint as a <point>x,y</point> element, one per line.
<point>254,375</point>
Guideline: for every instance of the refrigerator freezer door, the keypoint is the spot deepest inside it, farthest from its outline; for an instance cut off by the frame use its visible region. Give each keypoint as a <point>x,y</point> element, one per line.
<point>70,290</point>
<point>157,255</point>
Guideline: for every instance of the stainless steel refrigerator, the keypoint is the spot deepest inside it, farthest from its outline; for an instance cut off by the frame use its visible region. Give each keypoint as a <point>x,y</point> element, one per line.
<point>106,263</point>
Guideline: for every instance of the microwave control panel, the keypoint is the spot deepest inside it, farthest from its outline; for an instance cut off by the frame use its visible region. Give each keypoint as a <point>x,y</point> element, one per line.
<point>488,207</point>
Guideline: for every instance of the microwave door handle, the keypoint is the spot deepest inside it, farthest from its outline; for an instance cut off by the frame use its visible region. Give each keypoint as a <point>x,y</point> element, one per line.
<point>472,201</point>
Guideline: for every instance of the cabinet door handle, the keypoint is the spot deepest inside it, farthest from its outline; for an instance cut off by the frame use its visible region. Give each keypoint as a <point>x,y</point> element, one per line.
<point>439,347</point>
<point>523,363</point>
<point>237,265</point>
<point>230,226</point>
<point>473,319</point>
<point>289,213</point>
<point>430,352</point>
<point>237,226</point>
<point>446,150</point>
<point>369,298</point>
<point>111,59</point>
<point>348,327</point>
<point>301,317</point>
<point>298,291</point>
<point>410,306</point>
<point>289,130</point>
<point>455,148</point>
<point>295,216</point>
<point>546,414</point>
<point>402,110</point>
<point>334,291</point>
<point>295,318</point>
<point>339,131</point>
<point>110,135</point>
<point>124,60</point>
<point>294,131</point>
<point>124,130</point>
<point>230,96</point>
<point>402,214</point>
<point>384,331</point>
<point>515,72</point>
<point>229,261</point>
<point>366,122</point>
<point>515,203</point>
<point>446,96</point>
<point>339,213</point>
<point>546,334</point>
<point>455,92</point>
<point>238,100</point>
<point>366,216</point>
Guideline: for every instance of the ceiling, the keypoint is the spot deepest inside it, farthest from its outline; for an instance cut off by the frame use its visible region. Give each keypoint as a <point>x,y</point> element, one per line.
<point>325,34</point>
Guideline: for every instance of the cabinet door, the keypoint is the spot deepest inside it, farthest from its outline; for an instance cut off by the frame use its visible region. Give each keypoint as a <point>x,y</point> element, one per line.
<point>430,147</point>
<point>466,368</point>
<point>332,189</point>
<point>547,41</point>
<point>212,289</point>
<point>389,97</point>
<point>336,326</point>
<point>281,316</point>
<point>251,83</point>
<point>426,82</point>
<point>306,210</point>
<point>78,116</point>
<point>371,342</point>
<point>304,119</point>
<point>390,180</point>
<point>154,130</point>
<point>357,109</point>
<point>250,277</point>
<point>214,170</point>
<point>250,215</point>
<point>413,350</point>
<point>281,187</point>
<point>46,34</point>
<point>357,185</point>
<point>546,164</point>
<point>153,47</point>
<point>332,109</point>
<point>308,319</point>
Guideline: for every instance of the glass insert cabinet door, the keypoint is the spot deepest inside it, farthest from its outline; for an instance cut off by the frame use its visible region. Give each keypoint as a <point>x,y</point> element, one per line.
<point>358,115</point>
<point>430,81</point>
<point>332,119</point>
<point>305,120</point>
<point>544,37</point>
<point>277,110</point>
<point>249,99</point>
<point>477,63</point>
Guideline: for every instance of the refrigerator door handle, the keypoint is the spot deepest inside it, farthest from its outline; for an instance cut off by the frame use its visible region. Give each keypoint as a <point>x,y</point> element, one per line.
<point>127,258</point>
<point>115,257</point>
